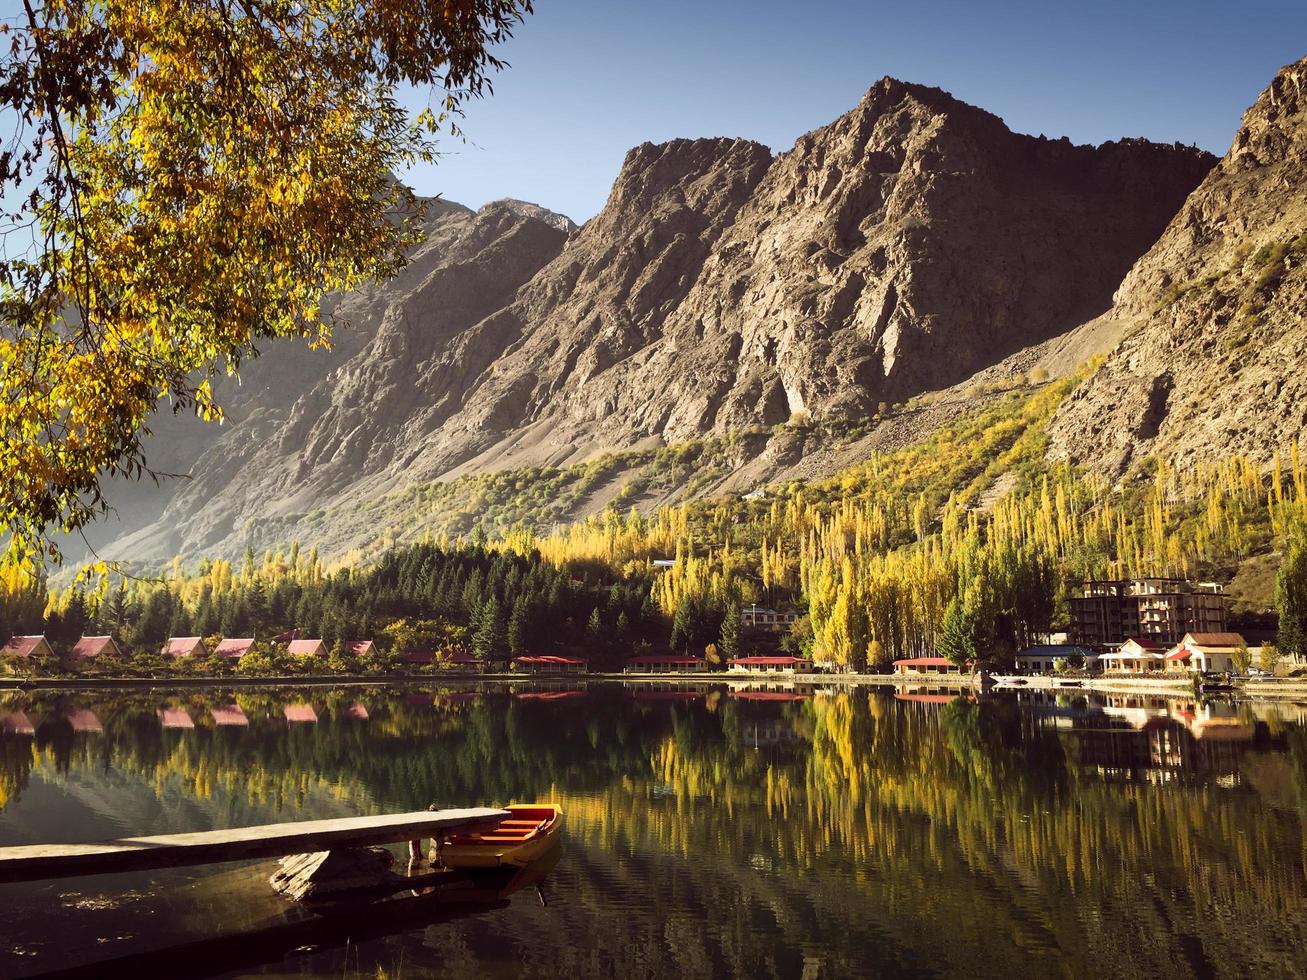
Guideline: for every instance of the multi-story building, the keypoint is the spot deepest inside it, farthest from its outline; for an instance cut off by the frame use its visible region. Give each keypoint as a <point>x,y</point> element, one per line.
<point>1151,610</point>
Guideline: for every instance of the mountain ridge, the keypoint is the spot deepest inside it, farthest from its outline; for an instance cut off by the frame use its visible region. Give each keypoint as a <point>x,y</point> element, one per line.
<point>723,289</point>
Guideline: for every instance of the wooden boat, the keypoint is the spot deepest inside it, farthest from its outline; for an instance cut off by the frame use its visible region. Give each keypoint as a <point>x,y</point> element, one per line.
<point>518,840</point>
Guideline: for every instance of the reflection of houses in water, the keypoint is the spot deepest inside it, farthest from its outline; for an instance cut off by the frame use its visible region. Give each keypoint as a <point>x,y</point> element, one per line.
<point>229,714</point>
<point>300,713</point>
<point>357,711</point>
<point>548,695</point>
<point>84,720</point>
<point>927,696</point>
<point>1126,735</point>
<point>175,718</point>
<point>664,693</point>
<point>770,733</point>
<point>16,723</point>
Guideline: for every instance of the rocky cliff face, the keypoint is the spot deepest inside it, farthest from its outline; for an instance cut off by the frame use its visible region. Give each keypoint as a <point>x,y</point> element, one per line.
<point>910,243</point>
<point>1217,310</point>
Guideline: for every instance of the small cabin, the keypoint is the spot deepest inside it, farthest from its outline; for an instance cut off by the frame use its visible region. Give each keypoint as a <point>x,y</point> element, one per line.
<point>306,648</point>
<point>92,648</point>
<point>551,665</point>
<point>1135,656</point>
<point>770,665</point>
<point>926,666</point>
<point>757,617</point>
<point>184,646</point>
<point>663,665</point>
<point>26,647</point>
<point>1206,653</point>
<point>359,648</point>
<point>1041,659</point>
<point>234,648</point>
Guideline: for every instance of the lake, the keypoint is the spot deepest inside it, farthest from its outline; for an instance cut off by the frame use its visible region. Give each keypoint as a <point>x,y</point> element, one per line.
<point>709,833</point>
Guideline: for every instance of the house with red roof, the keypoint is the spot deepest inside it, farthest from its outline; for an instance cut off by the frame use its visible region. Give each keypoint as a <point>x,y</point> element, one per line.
<point>452,658</point>
<point>1134,656</point>
<point>1206,653</point>
<point>184,646</point>
<point>234,647</point>
<point>92,647</point>
<point>769,665</point>
<point>27,646</point>
<point>551,665</point>
<point>16,723</point>
<point>359,647</point>
<point>306,648</point>
<point>663,664</point>
<point>925,666</point>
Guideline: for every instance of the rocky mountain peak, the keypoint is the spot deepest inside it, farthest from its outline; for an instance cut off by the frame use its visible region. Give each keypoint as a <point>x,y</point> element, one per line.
<point>525,209</point>
<point>1213,312</point>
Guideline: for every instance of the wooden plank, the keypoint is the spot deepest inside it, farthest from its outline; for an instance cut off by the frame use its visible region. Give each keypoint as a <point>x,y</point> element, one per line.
<point>31,862</point>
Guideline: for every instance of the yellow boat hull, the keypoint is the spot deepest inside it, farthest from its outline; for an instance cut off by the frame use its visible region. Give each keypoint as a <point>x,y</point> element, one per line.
<point>522,838</point>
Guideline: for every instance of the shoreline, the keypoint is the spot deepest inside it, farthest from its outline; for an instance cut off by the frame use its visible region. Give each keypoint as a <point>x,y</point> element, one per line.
<point>1261,689</point>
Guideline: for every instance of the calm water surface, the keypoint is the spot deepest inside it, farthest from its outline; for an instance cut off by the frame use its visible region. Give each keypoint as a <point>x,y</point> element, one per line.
<point>709,833</point>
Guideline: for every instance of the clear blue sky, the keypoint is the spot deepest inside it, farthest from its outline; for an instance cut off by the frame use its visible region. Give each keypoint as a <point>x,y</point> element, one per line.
<point>592,78</point>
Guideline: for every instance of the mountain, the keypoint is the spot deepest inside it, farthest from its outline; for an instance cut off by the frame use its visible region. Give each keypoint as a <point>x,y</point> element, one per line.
<point>1215,313</point>
<point>721,291</point>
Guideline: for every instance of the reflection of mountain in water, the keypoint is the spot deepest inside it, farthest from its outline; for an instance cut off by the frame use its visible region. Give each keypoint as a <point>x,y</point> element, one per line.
<point>728,835</point>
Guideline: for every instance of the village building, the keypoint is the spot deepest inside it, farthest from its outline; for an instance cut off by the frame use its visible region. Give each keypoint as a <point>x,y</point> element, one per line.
<point>1134,657</point>
<point>184,646</point>
<point>359,648</point>
<point>551,665</point>
<point>27,646</point>
<point>1156,610</point>
<point>926,666</point>
<point>655,664</point>
<point>452,658</point>
<point>306,648</point>
<point>1206,653</point>
<point>92,647</point>
<point>234,648</point>
<point>758,617</point>
<point>769,665</point>
<point>1043,659</point>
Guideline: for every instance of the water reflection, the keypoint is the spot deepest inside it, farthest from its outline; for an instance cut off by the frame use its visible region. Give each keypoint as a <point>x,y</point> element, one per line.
<point>765,831</point>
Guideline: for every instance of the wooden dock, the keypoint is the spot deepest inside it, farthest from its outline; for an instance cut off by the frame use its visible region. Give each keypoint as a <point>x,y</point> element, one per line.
<point>32,862</point>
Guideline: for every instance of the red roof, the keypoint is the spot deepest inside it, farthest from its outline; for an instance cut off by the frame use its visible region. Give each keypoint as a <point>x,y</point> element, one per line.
<point>550,660</point>
<point>925,662</point>
<point>229,714</point>
<point>548,695</point>
<point>768,661</point>
<point>16,723</point>
<point>180,646</point>
<point>91,646</point>
<point>84,720</point>
<point>649,660</point>
<point>357,711</point>
<point>21,646</point>
<point>1181,654</point>
<point>175,718</point>
<point>303,648</point>
<point>925,698</point>
<point>234,647</point>
<point>300,712</point>
<point>359,647</point>
<point>668,695</point>
<point>770,696</point>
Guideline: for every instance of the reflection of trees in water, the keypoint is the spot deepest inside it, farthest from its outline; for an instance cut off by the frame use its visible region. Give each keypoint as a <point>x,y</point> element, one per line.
<point>847,815</point>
